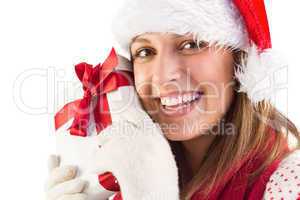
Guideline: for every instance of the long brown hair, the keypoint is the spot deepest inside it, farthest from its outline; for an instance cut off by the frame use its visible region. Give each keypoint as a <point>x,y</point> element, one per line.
<point>249,136</point>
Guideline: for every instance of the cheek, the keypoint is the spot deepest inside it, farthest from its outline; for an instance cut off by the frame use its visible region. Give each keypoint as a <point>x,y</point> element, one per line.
<point>143,85</point>
<point>141,80</point>
<point>214,75</point>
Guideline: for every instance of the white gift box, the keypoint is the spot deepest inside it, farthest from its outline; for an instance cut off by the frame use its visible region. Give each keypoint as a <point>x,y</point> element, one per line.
<point>78,150</point>
<point>123,103</point>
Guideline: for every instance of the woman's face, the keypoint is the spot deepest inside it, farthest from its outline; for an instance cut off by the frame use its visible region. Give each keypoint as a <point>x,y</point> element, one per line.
<point>185,87</point>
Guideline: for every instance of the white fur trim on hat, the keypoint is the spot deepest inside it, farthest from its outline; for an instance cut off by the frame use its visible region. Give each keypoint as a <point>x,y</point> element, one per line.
<point>258,74</point>
<point>216,21</point>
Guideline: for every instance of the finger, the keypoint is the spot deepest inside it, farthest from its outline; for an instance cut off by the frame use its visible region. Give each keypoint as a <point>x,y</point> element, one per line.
<point>53,162</point>
<point>69,187</point>
<point>79,196</point>
<point>59,175</point>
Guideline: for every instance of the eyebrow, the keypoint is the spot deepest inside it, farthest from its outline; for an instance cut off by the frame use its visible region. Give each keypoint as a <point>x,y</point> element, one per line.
<point>138,39</point>
<point>141,39</point>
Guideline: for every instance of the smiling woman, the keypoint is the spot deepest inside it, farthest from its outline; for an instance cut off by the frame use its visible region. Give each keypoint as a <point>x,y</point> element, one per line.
<point>200,70</point>
<point>189,88</point>
<point>182,83</point>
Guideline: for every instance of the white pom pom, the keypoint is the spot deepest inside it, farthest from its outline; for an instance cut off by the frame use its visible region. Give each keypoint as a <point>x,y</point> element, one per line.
<point>258,73</point>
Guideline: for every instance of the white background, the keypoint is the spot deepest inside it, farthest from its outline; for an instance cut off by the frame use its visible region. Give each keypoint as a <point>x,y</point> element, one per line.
<point>47,38</point>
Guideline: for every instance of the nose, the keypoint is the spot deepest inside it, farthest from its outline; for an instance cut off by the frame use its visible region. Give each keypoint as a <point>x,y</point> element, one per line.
<point>167,71</point>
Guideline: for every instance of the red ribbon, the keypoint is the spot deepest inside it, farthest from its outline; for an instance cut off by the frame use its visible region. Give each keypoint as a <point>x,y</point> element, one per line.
<point>109,181</point>
<point>97,82</point>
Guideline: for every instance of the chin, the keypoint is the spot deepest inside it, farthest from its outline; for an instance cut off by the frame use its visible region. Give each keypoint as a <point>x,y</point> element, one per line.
<point>180,136</point>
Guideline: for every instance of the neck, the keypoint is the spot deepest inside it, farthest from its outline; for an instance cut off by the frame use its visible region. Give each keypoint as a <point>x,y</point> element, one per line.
<point>195,150</point>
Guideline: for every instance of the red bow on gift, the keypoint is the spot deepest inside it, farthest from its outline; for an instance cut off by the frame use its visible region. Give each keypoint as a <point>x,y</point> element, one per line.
<point>97,82</point>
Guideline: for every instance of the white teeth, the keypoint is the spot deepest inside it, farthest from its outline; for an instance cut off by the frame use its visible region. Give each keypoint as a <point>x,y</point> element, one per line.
<point>185,98</point>
<point>188,97</point>
<point>179,98</point>
<point>171,101</point>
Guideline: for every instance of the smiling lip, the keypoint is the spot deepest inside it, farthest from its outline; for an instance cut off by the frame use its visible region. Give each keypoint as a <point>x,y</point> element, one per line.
<point>180,109</point>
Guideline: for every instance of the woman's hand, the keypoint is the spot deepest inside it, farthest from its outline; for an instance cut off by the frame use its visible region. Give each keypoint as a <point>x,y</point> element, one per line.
<point>62,184</point>
<point>140,157</point>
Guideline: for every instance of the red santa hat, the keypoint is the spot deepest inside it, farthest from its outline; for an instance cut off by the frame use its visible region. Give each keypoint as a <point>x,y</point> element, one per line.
<point>236,24</point>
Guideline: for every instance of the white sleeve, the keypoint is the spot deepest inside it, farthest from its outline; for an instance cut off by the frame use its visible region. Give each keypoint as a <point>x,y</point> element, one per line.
<point>284,183</point>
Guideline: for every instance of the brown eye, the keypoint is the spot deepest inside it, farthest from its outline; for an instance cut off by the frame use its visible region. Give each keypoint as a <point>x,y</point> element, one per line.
<point>190,45</point>
<point>143,53</point>
<point>193,45</point>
